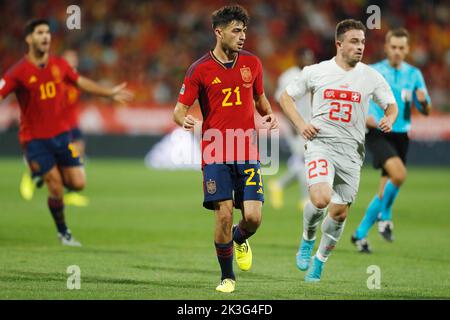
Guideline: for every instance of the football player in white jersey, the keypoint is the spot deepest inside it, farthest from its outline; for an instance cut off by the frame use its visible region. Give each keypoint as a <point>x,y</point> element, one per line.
<point>341,89</point>
<point>296,163</point>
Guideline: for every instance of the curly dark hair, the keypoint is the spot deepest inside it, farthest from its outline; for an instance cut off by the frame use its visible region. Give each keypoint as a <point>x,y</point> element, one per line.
<point>227,14</point>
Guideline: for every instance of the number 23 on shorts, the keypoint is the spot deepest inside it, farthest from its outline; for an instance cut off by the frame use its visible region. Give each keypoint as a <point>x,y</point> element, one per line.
<point>317,168</point>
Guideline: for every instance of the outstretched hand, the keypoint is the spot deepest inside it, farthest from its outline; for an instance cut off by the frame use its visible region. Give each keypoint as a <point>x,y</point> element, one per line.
<point>121,94</point>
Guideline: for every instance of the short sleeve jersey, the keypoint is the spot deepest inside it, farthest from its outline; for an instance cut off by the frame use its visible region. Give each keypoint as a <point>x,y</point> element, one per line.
<point>404,81</point>
<point>41,95</point>
<point>340,101</point>
<point>226,97</point>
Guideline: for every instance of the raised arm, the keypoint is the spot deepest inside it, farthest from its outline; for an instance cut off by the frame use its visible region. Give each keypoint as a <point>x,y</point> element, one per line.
<point>118,93</point>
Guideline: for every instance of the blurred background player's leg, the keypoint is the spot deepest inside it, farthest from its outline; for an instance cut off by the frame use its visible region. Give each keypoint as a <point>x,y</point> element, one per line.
<point>380,208</point>
<point>396,171</point>
<point>299,164</point>
<point>74,197</point>
<point>28,183</point>
<point>276,187</point>
<point>295,172</point>
<point>27,186</point>
<point>54,182</point>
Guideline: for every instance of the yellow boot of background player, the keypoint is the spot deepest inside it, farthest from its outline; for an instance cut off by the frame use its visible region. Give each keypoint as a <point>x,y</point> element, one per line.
<point>275,195</point>
<point>76,199</point>
<point>27,186</point>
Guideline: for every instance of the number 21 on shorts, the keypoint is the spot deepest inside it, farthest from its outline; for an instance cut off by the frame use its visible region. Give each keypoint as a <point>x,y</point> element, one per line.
<point>317,168</point>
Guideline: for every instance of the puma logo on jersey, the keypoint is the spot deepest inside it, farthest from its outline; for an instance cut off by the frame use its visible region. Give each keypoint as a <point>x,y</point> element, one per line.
<point>216,81</point>
<point>33,79</point>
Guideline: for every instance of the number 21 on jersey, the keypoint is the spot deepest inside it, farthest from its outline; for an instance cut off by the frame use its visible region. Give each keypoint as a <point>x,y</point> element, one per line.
<point>235,100</point>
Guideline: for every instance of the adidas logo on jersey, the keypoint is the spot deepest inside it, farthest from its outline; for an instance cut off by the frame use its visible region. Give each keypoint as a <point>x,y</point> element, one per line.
<point>216,81</point>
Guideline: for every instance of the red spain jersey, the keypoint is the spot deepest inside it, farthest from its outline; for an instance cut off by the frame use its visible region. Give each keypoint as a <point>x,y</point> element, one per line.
<point>41,95</point>
<point>226,97</point>
<point>72,108</point>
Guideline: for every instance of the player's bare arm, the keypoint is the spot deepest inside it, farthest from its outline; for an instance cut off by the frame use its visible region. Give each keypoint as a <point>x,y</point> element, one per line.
<point>265,110</point>
<point>307,130</point>
<point>390,114</point>
<point>180,116</point>
<point>118,93</point>
<point>422,98</point>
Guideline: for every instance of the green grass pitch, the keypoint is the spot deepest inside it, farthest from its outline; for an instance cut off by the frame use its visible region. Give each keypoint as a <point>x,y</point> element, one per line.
<point>145,235</point>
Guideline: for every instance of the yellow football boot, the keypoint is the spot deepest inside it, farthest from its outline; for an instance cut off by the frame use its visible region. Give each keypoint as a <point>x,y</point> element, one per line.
<point>76,199</point>
<point>226,286</point>
<point>243,254</point>
<point>27,186</point>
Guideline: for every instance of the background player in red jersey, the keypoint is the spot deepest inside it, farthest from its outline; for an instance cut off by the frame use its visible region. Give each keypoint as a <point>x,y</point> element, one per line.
<point>228,83</point>
<point>38,81</point>
<point>73,116</point>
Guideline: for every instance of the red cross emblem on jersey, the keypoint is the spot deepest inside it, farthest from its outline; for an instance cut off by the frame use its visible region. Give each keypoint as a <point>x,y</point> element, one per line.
<point>343,95</point>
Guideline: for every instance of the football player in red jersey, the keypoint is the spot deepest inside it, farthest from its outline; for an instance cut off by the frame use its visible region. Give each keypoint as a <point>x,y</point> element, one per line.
<point>228,83</point>
<point>73,116</point>
<point>38,81</point>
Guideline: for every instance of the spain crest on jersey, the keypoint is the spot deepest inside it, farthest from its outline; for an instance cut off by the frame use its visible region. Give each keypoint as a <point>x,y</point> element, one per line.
<point>56,73</point>
<point>211,186</point>
<point>246,74</point>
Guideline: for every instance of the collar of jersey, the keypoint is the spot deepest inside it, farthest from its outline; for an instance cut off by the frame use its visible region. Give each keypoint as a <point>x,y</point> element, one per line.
<point>220,63</point>
<point>338,67</point>
<point>388,65</point>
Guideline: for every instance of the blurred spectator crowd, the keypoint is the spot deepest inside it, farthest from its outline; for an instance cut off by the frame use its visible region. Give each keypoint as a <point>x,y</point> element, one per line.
<point>150,44</point>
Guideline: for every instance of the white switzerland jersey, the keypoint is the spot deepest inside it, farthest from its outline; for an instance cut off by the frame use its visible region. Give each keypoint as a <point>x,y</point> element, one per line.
<point>340,101</point>
<point>304,103</point>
